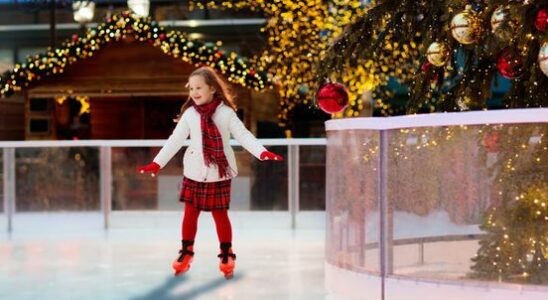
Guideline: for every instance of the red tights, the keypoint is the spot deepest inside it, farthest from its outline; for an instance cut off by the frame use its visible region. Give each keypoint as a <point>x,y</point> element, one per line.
<point>190,224</point>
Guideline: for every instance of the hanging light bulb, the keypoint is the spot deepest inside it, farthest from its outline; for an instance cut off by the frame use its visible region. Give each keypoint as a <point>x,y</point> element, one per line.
<point>83,11</point>
<point>139,7</point>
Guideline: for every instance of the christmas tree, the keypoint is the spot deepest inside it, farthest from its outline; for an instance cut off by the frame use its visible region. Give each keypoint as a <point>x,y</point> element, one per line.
<point>515,247</point>
<point>449,54</point>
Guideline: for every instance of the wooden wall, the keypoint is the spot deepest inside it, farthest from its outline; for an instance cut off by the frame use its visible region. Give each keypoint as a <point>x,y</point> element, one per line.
<point>116,118</point>
<point>135,91</point>
<point>133,117</point>
<point>12,117</point>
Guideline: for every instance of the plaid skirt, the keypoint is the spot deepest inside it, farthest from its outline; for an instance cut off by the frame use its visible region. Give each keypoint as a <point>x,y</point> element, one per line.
<point>206,196</point>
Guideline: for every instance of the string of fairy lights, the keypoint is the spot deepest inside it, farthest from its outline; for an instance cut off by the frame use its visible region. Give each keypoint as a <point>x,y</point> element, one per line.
<point>394,61</point>
<point>534,202</point>
<point>85,106</point>
<point>128,25</point>
<point>519,248</point>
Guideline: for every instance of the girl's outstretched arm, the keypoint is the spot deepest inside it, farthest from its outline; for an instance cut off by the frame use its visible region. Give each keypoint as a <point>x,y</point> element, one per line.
<point>172,145</point>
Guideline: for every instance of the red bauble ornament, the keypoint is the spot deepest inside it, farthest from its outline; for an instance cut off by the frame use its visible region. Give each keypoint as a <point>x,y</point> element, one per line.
<point>541,23</point>
<point>162,36</point>
<point>74,38</point>
<point>332,97</point>
<point>252,72</point>
<point>426,66</point>
<point>509,63</point>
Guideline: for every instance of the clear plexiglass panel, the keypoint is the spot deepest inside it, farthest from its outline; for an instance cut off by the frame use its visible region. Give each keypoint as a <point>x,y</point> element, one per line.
<point>469,202</point>
<point>352,238</point>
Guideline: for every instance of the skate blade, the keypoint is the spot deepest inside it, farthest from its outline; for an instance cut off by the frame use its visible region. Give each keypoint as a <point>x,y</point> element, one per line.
<point>180,272</point>
<point>229,276</point>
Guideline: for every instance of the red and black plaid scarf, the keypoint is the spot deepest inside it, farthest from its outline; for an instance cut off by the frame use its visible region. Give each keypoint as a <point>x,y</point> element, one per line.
<point>212,142</point>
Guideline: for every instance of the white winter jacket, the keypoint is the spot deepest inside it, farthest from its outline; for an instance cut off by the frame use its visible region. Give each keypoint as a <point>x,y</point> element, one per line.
<point>193,162</point>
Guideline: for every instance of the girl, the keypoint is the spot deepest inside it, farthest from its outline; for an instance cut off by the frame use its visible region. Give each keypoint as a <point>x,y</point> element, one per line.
<point>209,164</point>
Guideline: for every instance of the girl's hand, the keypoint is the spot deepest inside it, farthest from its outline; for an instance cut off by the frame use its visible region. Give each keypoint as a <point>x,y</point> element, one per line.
<point>267,155</point>
<point>152,167</point>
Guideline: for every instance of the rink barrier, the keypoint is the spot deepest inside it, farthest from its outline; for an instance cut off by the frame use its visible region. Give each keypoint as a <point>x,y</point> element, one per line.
<point>509,116</point>
<point>105,173</point>
<point>347,281</point>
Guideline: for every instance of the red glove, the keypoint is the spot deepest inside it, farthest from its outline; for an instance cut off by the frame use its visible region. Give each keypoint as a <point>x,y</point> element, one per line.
<point>152,167</point>
<point>267,155</point>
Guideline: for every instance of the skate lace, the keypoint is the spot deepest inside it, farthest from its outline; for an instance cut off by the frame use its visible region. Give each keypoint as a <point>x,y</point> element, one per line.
<point>225,257</point>
<point>184,252</point>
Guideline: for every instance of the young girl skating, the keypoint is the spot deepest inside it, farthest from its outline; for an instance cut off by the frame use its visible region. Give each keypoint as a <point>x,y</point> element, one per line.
<point>209,164</point>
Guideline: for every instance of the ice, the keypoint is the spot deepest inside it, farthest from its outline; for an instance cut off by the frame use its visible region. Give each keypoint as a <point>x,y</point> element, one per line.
<point>71,256</point>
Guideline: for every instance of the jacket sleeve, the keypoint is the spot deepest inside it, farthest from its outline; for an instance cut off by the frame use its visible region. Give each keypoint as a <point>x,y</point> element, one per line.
<point>174,142</point>
<point>244,137</point>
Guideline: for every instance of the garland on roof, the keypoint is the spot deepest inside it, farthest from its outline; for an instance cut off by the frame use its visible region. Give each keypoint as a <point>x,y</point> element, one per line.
<point>125,25</point>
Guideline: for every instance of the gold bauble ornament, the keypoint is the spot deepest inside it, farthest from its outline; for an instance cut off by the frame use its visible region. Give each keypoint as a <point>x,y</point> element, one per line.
<point>502,24</point>
<point>437,54</point>
<point>499,16</point>
<point>543,58</point>
<point>466,27</point>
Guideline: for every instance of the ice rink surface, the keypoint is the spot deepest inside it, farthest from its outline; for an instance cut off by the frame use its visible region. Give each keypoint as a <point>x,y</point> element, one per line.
<point>71,256</point>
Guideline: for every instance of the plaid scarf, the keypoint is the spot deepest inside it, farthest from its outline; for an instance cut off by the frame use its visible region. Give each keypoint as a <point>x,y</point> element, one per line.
<point>212,143</point>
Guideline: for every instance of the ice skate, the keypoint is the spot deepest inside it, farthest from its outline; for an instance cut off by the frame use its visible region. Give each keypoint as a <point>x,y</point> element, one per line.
<point>228,258</point>
<point>182,263</point>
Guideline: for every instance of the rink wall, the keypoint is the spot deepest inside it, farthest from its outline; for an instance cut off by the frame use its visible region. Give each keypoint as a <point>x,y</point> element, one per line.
<point>411,206</point>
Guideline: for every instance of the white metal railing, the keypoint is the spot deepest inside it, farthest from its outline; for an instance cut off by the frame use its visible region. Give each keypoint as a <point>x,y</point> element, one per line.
<point>146,143</point>
<point>105,170</point>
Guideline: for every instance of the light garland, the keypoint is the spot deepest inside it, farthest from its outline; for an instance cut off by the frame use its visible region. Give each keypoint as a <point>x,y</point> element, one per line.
<point>126,25</point>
